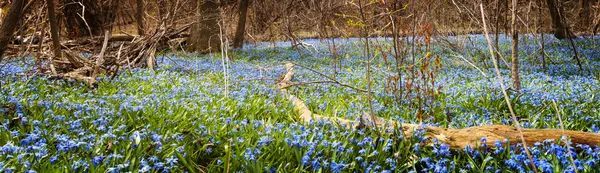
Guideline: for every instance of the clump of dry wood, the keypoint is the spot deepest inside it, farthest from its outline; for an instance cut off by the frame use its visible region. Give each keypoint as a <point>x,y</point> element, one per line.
<point>79,61</point>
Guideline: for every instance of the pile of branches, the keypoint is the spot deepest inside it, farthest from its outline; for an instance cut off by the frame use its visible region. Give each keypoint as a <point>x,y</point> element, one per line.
<point>117,52</point>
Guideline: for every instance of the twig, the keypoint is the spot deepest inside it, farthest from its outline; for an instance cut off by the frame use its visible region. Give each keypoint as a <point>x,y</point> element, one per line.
<point>565,137</point>
<point>506,98</point>
<point>462,57</point>
<point>331,78</point>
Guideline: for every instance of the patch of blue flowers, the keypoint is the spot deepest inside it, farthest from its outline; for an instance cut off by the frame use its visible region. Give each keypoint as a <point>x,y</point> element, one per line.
<point>184,117</point>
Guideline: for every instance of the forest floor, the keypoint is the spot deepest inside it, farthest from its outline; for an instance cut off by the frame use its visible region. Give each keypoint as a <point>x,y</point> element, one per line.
<point>192,115</point>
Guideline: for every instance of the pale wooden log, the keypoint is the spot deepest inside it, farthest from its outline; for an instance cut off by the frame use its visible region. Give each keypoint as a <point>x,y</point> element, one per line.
<point>455,138</point>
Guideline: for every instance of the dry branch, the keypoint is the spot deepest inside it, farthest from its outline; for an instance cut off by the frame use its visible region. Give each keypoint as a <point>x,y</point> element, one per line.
<point>455,138</point>
<point>131,51</point>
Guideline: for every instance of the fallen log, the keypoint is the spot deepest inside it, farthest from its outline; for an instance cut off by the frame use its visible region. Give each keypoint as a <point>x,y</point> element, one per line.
<point>455,138</point>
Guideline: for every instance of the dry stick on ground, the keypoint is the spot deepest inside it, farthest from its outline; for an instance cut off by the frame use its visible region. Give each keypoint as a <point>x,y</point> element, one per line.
<point>455,138</point>
<point>512,113</point>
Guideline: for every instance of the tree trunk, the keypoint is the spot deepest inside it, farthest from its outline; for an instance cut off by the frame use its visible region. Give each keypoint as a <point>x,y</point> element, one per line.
<point>557,25</point>
<point>584,14</point>
<point>204,35</point>
<point>9,24</point>
<point>238,40</point>
<point>88,25</point>
<point>515,48</point>
<point>139,17</point>
<point>53,28</point>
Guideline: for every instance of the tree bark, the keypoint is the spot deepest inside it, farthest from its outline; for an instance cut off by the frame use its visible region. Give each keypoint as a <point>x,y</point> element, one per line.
<point>53,28</point>
<point>515,48</point>
<point>204,35</point>
<point>9,24</point>
<point>238,40</point>
<point>557,25</point>
<point>139,17</point>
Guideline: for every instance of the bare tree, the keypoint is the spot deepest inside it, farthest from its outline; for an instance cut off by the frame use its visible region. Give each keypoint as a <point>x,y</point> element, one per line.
<point>9,24</point>
<point>238,40</point>
<point>515,48</point>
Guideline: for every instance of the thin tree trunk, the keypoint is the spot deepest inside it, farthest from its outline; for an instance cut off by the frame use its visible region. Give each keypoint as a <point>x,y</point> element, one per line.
<point>506,30</point>
<point>139,17</point>
<point>238,40</point>
<point>540,20</point>
<point>368,69</point>
<point>53,28</point>
<point>515,48</point>
<point>9,24</point>
<point>497,28</point>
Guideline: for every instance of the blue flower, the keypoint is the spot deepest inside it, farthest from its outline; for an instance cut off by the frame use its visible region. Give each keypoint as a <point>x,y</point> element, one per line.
<point>263,141</point>
<point>53,159</point>
<point>171,161</point>
<point>305,160</point>
<point>316,164</point>
<point>590,163</point>
<point>249,154</point>
<point>337,167</point>
<point>97,160</point>
<point>416,148</point>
